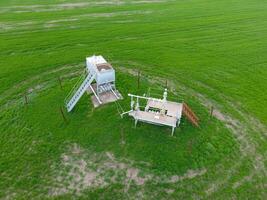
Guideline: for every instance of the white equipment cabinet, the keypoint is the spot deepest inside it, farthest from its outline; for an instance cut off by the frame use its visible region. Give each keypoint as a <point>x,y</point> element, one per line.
<point>104,73</point>
<point>98,70</point>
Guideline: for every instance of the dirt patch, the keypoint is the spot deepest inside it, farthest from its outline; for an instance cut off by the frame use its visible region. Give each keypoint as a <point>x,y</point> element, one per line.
<point>115,14</point>
<point>218,115</point>
<point>71,6</point>
<point>190,174</point>
<point>75,175</point>
<point>55,7</point>
<point>8,26</point>
<point>5,27</point>
<point>124,21</point>
<point>133,175</point>
<point>81,169</point>
<point>240,130</point>
<point>242,181</point>
<point>62,20</point>
<point>28,25</point>
<point>169,191</point>
<point>36,88</point>
<point>150,1</point>
<point>50,25</point>
<point>10,196</point>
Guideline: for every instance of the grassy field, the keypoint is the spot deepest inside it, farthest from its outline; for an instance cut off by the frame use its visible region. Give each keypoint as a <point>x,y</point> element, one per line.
<point>213,53</point>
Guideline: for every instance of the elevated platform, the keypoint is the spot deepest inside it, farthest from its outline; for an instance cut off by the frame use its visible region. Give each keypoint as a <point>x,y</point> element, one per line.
<point>153,118</point>
<point>105,97</point>
<point>173,109</point>
<point>157,111</point>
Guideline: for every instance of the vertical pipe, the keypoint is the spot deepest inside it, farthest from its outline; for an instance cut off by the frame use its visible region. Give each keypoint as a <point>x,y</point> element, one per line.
<point>132,103</point>
<point>173,130</point>
<point>135,123</point>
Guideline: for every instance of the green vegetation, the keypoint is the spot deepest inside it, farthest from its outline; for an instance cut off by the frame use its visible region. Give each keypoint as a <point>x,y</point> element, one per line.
<point>212,53</point>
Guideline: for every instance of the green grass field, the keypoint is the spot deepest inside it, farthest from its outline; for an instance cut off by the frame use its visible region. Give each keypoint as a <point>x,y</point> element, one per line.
<point>213,53</point>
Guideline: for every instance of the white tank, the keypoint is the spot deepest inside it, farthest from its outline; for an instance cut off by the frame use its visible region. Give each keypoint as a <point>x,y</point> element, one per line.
<point>105,74</point>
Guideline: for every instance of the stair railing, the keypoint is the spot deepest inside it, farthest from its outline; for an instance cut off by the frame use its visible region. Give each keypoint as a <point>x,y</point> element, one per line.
<point>75,87</point>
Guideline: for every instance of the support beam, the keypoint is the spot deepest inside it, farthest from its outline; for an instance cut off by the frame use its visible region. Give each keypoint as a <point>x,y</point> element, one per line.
<point>114,92</point>
<point>95,94</point>
<point>126,113</point>
<point>173,128</point>
<point>135,123</point>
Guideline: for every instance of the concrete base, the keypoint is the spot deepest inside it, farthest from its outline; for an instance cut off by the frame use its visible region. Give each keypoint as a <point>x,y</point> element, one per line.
<point>105,97</point>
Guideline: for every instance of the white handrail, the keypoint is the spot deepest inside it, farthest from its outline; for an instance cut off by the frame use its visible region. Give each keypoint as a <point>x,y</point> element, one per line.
<point>75,88</point>
<point>142,97</point>
<point>114,92</point>
<point>126,113</point>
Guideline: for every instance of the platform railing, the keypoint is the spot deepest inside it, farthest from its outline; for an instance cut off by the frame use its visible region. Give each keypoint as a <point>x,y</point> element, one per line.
<point>75,87</point>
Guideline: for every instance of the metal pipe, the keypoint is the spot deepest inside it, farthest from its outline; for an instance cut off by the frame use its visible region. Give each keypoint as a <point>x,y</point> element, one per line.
<point>114,93</point>
<point>95,94</point>
<point>126,113</point>
<point>142,97</point>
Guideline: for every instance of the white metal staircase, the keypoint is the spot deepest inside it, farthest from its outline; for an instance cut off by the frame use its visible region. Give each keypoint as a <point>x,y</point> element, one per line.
<point>78,90</point>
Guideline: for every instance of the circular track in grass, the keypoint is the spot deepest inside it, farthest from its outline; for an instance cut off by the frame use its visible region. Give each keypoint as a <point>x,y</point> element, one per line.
<point>102,153</point>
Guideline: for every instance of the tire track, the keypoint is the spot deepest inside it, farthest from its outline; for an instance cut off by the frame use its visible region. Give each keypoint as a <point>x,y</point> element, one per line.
<point>239,128</point>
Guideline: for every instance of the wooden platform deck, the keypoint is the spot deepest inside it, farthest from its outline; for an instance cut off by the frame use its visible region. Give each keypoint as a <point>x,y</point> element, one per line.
<point>105,97</point>
<point>153,118</point>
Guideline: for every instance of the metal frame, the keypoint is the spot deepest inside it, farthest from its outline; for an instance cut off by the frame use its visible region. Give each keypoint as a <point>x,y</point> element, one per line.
<point>158,118</point>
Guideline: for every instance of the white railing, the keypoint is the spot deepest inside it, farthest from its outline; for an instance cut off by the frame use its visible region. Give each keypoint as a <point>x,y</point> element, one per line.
<point>77,91</point>
<point>75,87</point>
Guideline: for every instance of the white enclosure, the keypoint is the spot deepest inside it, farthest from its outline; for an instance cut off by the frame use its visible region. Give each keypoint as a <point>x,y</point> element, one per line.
<point>104,90</point>
<point>105,74</point>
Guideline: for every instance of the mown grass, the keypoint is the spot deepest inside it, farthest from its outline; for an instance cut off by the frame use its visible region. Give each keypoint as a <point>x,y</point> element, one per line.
<point>216,48</point>
<point>41,137</point>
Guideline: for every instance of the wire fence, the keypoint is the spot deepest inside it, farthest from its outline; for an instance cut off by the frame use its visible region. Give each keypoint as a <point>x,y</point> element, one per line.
<point>154,87</point>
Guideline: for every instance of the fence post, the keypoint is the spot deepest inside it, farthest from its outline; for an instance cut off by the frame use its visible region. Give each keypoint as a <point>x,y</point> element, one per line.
<point>138,79</point>
<point>60,83</point>
<point>166,84</point>
<point>63,115</point>
<point>211,111</point>
<point>190,146</point>
<point>122,136</point>
<point>26,98</point>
